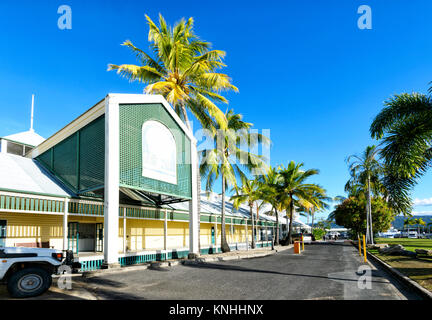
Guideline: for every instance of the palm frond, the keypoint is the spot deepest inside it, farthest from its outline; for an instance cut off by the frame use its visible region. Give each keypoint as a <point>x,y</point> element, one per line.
<point>400,107</point>
<point>145,74</point>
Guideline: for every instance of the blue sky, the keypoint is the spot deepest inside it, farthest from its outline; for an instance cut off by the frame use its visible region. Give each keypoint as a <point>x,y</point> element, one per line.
<point>304,69</point>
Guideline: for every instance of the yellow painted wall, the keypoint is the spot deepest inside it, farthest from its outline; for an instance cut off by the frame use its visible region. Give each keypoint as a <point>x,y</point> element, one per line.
<point>178,235</point>
<point>237,234</point>
<point>31,228</point>
<point>141,234</point>
<point>205,234</point>
<point>144,234</point>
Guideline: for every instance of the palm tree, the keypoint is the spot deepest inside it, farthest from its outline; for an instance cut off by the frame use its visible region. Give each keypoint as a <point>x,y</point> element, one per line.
<point>365,169</point>
<point>269,192</point>
<point>228,161</point>
<point>320,202</point>
<point>408,222</point>
<point>184,69</point>
<point>294,189</point>
<point>420,222</point>
<point>415,222</point>
<point>248,193</point>
<point>405,127</point>
<point>258,206</point>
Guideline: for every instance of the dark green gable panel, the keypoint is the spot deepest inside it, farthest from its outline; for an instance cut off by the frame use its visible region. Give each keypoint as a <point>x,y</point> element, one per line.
<point>92,155</point>
<point>132,118</point>
<point>46,158</point>
<point>65,163</point>
<point>79,160</point>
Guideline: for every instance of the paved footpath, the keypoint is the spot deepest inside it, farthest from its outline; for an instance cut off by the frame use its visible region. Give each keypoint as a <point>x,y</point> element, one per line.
<point>328,271</point>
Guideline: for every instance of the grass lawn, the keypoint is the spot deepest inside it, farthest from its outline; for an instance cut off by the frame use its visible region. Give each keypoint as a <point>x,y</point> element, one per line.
<point>409,244</point>
<point>418,269</point>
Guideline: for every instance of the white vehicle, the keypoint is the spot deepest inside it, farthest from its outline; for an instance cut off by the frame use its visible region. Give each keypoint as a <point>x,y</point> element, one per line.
<point>389,234</point>
<point>307,237</point>
<point>386,235</point>
<point>412,234</point>
<point>27,272</point>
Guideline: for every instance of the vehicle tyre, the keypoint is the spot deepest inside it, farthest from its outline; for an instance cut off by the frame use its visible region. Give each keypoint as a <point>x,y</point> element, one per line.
<point>29,282</point>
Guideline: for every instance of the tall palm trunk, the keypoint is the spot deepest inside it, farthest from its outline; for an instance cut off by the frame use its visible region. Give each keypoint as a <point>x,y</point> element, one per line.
<point>313,216</point>
<point>224,245</point>
<point>276,240</point>
<point>287,226</point>
<point>291,220</point>
<point>257,219</point>
<point>253,225</point>
<point>371,222</point>
<point>369,205</point>
<point>367,216</point>
<point>312,225</point>
<point>199,205</point>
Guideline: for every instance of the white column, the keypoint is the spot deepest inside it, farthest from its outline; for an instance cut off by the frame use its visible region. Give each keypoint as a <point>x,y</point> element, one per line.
<point>165,229</point>
<point>111,205</point>
<point>65,223</point>
<point>194,219</point>
<point>124,230</point>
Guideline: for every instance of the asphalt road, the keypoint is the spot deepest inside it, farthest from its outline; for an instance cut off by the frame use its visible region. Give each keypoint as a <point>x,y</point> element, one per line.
<point>321,272</point>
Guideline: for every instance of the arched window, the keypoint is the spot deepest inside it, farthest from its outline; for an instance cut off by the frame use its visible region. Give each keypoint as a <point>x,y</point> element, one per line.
<point>159,152</point>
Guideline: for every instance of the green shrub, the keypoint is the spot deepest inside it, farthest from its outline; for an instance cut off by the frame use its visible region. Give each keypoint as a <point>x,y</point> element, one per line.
<point>318,233</point>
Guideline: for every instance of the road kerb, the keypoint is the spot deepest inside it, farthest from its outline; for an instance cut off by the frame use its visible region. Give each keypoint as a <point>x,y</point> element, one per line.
<point>88,274</point>
<point>401,277</point>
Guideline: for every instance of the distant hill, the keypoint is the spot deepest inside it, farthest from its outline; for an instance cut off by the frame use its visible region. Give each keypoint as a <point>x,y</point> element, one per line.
<point>398,223</point>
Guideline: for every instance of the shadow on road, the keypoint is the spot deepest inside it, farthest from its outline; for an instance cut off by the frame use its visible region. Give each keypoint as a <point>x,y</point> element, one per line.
<point>108,289</point>
<point>114,295</point>
<point>102,282</point>
<point>243,269</point>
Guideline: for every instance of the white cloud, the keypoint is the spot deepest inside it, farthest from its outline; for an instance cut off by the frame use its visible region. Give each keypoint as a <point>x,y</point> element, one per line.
<point>421,213</point>
<point>423,202</point>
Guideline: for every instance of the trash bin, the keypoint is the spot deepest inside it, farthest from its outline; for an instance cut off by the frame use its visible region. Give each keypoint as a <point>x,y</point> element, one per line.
<point>297,247</point>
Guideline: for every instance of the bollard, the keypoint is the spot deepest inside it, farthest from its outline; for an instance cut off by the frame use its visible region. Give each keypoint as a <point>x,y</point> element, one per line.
<point>302,243</point>
<point>297,247</point>
<point>359,244</point>
<point>364,248</point>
